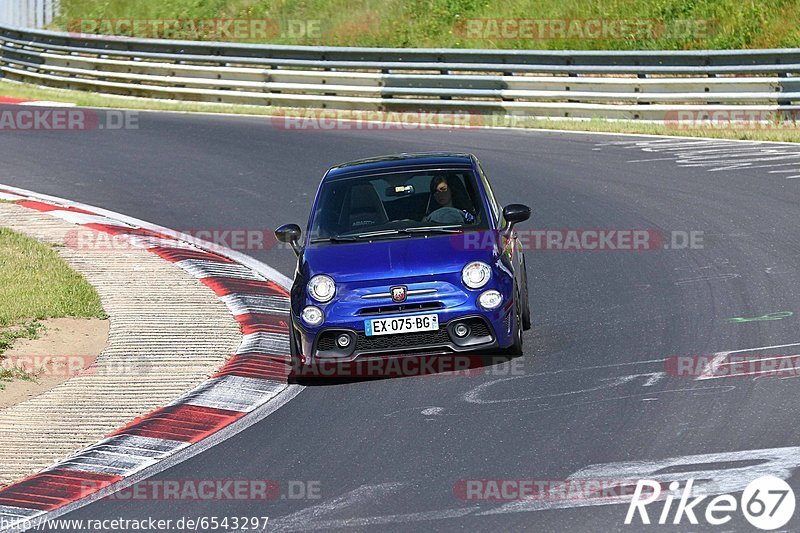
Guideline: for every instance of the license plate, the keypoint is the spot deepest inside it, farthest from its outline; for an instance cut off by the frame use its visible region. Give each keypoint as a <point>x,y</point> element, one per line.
<point>401,324</point>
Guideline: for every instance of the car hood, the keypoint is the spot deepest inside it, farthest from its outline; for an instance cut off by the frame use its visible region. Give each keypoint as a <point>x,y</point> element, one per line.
<point>393,258</point>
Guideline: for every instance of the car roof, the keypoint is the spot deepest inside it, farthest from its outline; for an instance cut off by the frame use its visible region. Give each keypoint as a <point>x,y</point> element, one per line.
<point>399,162</point>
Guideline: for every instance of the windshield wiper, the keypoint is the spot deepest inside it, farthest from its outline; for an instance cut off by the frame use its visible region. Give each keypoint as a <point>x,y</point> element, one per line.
<point>339,238</point>
<point>386,232</point>
<point>434,229</point>
<point>356,237</point>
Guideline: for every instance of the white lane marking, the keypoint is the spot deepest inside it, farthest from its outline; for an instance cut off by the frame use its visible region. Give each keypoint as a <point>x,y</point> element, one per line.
<point>719,357</point>
<point>648,160</point>
<point>432,411</point>
<point>726,478</point>
<point>761,348</point>
<point>715,155</point>
<point>712,366</point>
<point>709,278</point>
<point>715,473</point>
<point>302,520</point>
<point>475,394</point>
<point>332,524</point>
<point>710,372</point>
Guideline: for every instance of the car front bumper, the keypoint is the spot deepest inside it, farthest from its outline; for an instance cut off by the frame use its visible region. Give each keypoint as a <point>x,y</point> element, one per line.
<point>487,330</point>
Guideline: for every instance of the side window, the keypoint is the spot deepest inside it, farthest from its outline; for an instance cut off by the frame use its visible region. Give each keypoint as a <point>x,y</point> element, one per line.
<point>498,215</point>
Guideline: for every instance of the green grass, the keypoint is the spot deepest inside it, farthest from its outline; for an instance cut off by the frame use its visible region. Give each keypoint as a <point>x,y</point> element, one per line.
<point>37,284</point>
<point>435,23</point>
<point>87,99</point>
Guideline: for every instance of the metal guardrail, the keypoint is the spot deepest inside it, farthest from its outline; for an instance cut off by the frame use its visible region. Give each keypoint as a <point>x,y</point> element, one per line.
<point>28,13</point>
<point>650,85</point>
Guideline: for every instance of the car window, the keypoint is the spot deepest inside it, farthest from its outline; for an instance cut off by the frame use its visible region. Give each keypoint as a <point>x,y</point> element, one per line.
<point>398,201</point>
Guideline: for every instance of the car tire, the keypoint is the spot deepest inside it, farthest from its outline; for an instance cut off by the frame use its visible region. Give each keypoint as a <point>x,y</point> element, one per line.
<point>294,351</point>
<point>526,314</point>
<point>516,348</point>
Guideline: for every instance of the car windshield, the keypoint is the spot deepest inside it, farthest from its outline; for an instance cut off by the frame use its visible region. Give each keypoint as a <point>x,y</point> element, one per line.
<point>399,203</point>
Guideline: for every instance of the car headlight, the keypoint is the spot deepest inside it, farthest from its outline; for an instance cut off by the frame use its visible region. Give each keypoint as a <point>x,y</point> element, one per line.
<point>322,288</point>
<point>476,274</point>
<point>312,315</point>
<point>490,299</point>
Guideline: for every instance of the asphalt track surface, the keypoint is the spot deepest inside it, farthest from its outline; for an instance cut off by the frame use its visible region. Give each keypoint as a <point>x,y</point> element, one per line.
<point>591,388</point>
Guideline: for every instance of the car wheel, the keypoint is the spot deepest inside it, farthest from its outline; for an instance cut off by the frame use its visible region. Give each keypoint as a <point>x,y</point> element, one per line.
<point>526,314</point>
<point>516,347</point>
<point>294,351</point>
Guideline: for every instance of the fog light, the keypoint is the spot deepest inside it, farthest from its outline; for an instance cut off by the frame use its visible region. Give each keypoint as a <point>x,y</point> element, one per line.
<point>461,330</point>
<point>343,340</point>
<point>490,299</point>
<point>312,315</point>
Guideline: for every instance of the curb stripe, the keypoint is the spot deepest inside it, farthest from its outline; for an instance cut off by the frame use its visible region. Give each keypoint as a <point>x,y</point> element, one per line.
<point>262,342</point>
<point>241,304</point>
<point>260,322</point>
<point>203,268</point>
<point>260,366</point>
<point>175,255</point>
<point>233,393</point>
<point>188,423</point>
<point>46,208</point>
<point>51,489</point>
<point>225,286</point>
<point>12,100</point>
<point>256,374</point>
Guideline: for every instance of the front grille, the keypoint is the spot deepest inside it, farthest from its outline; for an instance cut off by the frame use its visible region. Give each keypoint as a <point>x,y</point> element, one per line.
<point>327,341</point>
<point>401,308</point>
<point>404,340</point>
<point>478,327</point>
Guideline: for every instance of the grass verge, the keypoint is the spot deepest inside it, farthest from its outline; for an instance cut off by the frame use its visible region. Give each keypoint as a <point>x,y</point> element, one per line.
<point>87,99</point>
<point>628,24</point>
<point>36,284</point>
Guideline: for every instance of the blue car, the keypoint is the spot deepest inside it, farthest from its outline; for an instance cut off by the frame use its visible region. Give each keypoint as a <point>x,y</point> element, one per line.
<point>407,254</point>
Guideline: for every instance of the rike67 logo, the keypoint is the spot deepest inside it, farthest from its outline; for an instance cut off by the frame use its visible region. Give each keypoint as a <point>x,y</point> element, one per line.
<point>767,503</point>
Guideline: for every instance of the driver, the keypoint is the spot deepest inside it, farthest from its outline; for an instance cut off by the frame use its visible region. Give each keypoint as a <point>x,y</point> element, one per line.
<point>444,211</point>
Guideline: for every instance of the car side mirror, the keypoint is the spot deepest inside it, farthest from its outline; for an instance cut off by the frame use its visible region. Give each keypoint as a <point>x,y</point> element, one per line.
<point>514,213</point>
<point>289,233</point>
